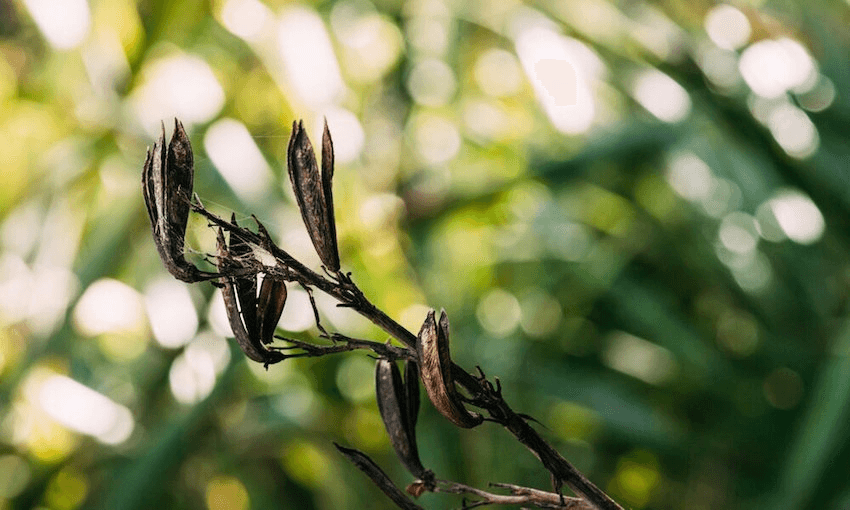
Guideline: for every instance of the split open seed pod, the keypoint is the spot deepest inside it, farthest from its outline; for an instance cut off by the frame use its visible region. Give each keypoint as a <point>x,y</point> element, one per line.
<point>313,191</point>
<point>252,318</point>
<point>167,187</point>
<point>398,410</point>
<point>435,369</point>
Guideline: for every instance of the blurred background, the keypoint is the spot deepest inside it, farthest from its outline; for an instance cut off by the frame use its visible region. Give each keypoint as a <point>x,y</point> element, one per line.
<point>636,215</point>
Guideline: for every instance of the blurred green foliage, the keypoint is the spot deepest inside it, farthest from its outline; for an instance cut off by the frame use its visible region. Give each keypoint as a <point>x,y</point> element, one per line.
<point>635,214</point>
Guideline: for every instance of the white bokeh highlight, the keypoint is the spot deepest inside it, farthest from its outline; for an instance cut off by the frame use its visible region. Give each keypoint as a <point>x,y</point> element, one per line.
<point>108,306</point>
<point>84,410</point>
<point>558,69</point>
<point>661,95</point>
<point>238,159</point>
<point>798,216</point>
<point>182,86</point>
<point>772,67</point>
<point>246,18</point>
<point>308,58</point>
<point>171,313</point>
<point>64,23</point>
<point>727,27</point>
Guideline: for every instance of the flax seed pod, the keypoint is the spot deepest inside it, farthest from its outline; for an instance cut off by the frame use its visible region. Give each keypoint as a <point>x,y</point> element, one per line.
<point>167,179</point>
<point>435,369</point>
<point>395,410</point>
<point>313,192</point>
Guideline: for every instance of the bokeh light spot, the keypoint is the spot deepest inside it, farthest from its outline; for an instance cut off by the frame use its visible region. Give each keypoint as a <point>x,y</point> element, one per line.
<point>689,176</point>
<point>773,67</point>
<point>306,464</point>
<point>84,410</point>
<point>431,82</point>
<point>14,476</point>
<point>308,58</point>
<point>234,153</point>
<point>573,422</point>
<point>499,312</point>
<point>639,358</point>
<point>437,139</point>
<point>727,27</point>
<point>541,313</point>
<point>793,131</point>
<point>554,64</point>
<point>192,377</point>
<point>64,23</point>
<point>355,378</point>
<point>227,493</point>
<point>497,73</point>
<point>661,96</point>
<point>738,232</point>
<point>347,133</point>
<point>66,490</point>
<point>245,18</point>
<point>108,306</point>
<point>636,477</point>
<point>182,86</point>
<point>171,312</point>
<point>799,217</point>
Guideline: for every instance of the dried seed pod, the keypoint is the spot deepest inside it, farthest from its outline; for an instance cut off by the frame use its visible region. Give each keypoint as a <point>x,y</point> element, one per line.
<point>435,368</point>
<point>167,186</point>
<point>396,411</point>
<point>377,475</point>
<point>252,320</point>
<point>270,307</point>
<point>246,288</point>
<point>313,192</point>
<point>411,391</point>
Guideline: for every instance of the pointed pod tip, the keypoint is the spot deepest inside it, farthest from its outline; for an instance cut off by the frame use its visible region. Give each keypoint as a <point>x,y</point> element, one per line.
<point>444,322</point>
<point>178,128</point>
<point>429,324</point>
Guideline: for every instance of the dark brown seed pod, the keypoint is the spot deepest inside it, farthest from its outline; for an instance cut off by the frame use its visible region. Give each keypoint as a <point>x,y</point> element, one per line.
<point>377,475</point>
<point>167,186</point>
<point>435,369</point>
<point>411,391</point>
<point>249,317</point>
<point>246,288</point>
<point>269,307</point>
<point>313,191</point>
<point>396,413</point>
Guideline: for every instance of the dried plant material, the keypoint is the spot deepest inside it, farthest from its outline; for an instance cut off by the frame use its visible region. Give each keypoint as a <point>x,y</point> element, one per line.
<point>167,186</point>
<point>435,368</point>
<point>270,307</point>
<point>252,320</point>
<point>378,477</point>
<point>399,415</point>
<point>411,392</point>
<point>313,191</point>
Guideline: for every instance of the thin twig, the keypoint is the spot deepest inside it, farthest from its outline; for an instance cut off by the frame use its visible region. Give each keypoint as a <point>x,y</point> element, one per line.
<point>344,344</point>
<point>519,496</point>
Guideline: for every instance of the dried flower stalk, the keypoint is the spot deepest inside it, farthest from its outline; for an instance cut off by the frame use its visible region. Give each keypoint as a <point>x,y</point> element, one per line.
<point>253,315</point>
